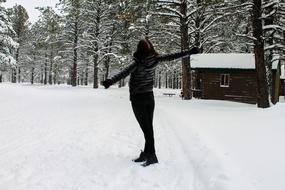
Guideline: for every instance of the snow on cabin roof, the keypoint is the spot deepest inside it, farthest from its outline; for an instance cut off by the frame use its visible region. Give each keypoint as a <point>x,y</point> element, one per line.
<point>225,61</point>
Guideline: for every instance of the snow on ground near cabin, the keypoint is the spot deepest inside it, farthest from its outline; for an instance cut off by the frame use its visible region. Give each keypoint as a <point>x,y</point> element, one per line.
<point>65,138</point>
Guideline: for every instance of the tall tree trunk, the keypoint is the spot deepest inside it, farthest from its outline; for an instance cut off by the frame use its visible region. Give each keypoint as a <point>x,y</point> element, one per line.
<point>155,79</point>
<point>18,67</point>
<point>171,80</point>
<point>33,69</point>
<point>262,86</point>
<point>186,68</point>
<point>159,79</point>
<point>174,80</point>
<point>51,67</point>
<point>121,83</point>
<point>95,74</point>
<point>14,70</point>
<point>180,81</point>
<point>14,75</point>
<point>95,56</point>
<point>55,74</point>
<point>82,78</point>
<point>107,67</point>
<point>19,74</point>
<point>107,61</point>
<point>70,76</point>
<point>86,75</point>
<point>0,77</point>
<point>50,74</point>
<point>42,75</point>
<point>166,79</point>
<point>269,41</point>
<point>45,69</point>
<point>32,75</point>
<point>75,56</point>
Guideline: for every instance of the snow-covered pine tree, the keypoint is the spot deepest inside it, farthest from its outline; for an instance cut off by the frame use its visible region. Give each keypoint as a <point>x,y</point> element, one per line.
<point>273,34</point>
<point>143,23</point>
<point>50,26</point>
<point>19,18</point>
<point>98,36</point>
<point>33,52</point>
<point>238,35</point>
<point>31,58</point>
<point>7,43</point>
<point>177,12</point>
<point>115,54</point>
<point>72,32</point>
<point>257,25</point>
<point>273,16</point>
<point>206,23</point>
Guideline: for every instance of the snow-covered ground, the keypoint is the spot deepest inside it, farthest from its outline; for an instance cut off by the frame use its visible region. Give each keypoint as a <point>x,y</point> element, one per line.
<point>64,138</point>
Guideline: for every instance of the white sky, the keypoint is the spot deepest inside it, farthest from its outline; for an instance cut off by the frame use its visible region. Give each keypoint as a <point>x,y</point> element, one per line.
<point>30,6</point>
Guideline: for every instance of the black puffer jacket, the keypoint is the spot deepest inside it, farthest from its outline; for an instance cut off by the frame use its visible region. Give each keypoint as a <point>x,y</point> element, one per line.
<point>142,71</point>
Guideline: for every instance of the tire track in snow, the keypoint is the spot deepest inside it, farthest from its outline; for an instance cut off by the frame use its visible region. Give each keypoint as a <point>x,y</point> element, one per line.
<point>209,171</point>
<point>175,154</point>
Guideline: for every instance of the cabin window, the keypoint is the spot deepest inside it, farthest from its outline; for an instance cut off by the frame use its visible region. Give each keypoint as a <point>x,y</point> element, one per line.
<point>225,80</point>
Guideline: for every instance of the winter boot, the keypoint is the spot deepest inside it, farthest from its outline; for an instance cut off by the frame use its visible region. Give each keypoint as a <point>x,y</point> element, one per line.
<point>141,158</point>
<point>150,159</point>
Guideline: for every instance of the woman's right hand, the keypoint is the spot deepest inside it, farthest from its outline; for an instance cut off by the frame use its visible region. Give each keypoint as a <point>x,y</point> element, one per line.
<point>107,83</point>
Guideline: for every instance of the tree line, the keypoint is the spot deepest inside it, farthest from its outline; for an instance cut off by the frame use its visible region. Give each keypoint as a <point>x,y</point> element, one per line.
<point>88,40</point>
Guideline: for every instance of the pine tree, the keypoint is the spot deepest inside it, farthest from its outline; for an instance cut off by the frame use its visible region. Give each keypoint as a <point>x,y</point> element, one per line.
<point>19,18</point>
<point>7,43</point>
<point>98,33</point>
<point>273,35</point>
<point>262,86</point>
<point>50,26</point>
<point>73,23</point>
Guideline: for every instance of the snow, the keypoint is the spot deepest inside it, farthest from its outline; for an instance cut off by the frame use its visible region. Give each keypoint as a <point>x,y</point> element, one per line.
<point>225,61</point>
<point>64,138</point>
<point>272,27</point>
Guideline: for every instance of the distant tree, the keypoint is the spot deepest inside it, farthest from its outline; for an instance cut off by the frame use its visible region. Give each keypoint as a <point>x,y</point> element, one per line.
<point>98,37</point>
<point>73,23</point>
<point>50,26</point>
<point>41,49</point>
<point>19,18</point>
<point>7,43</point>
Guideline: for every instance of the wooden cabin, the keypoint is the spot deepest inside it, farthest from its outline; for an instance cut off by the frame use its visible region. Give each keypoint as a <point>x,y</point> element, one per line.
<point>228,77</point>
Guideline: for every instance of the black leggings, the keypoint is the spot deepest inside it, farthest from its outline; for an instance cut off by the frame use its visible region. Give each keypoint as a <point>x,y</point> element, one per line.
<point>143,110</point>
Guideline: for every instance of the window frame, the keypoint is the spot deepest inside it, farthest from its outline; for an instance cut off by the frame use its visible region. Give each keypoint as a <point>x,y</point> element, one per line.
<point>225,80</point>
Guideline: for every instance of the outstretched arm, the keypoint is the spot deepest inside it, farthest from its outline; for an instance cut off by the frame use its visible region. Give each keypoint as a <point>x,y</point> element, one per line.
<point>177,55</point>
<point>122,74</point>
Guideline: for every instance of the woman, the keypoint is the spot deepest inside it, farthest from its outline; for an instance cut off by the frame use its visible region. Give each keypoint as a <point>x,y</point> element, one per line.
<point>142,69</point>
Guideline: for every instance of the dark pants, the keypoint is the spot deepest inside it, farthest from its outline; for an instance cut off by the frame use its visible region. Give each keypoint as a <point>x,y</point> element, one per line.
<point>143,108</point>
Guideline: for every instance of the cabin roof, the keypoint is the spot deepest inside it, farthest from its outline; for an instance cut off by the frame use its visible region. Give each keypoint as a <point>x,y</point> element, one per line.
<point>225,61</point>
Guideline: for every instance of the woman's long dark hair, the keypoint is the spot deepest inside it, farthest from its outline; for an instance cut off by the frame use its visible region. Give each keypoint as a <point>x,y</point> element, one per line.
<point>144,47</point>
